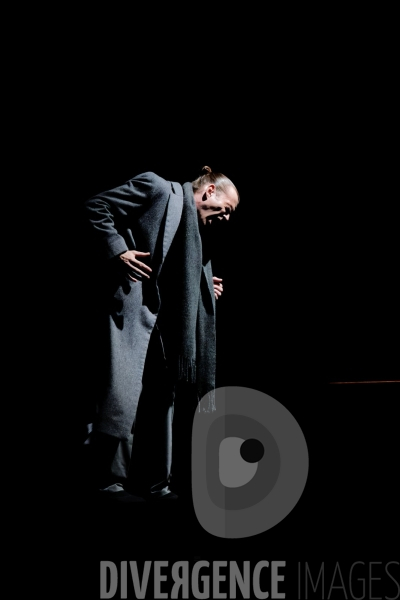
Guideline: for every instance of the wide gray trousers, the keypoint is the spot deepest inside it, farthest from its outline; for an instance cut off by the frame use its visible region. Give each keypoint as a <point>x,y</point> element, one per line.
<point>141,464</point>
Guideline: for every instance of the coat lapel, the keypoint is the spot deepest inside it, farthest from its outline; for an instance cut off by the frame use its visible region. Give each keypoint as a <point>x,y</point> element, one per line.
<point>173,217</point>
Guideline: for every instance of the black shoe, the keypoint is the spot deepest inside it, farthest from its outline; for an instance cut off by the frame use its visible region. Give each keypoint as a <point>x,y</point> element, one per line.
<point>116,493</point>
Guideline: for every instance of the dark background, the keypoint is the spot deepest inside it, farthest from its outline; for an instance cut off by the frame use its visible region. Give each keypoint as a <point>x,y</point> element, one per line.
<point>312,250</point>
<point>310,298</point>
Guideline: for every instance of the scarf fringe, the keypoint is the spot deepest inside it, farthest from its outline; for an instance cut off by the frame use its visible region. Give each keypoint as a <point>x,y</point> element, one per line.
<point>187,372</point>
<point>186,369</point>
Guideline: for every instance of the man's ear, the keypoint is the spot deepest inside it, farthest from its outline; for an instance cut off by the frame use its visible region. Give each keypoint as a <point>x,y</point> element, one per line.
<point>208,192</point>
<point>210,189</point>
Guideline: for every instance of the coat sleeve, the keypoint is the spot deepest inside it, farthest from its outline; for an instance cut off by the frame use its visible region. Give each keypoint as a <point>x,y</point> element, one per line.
<point>109,214</point>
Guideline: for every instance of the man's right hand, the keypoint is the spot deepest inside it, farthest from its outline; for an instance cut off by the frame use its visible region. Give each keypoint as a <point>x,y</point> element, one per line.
<point>135,268</point>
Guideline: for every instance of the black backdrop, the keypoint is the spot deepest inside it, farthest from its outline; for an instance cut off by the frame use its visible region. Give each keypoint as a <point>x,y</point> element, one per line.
<point>312,250</point>
<point>310,295</point>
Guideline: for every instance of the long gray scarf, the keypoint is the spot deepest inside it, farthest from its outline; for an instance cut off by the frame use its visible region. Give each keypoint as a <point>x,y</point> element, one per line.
<point>187,313</point>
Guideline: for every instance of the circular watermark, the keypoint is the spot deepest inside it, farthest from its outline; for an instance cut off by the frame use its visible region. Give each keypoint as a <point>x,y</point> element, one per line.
<point>249,463</point>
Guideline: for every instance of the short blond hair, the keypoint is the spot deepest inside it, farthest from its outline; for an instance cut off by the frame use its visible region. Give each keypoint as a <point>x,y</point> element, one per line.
<point>208,176</point>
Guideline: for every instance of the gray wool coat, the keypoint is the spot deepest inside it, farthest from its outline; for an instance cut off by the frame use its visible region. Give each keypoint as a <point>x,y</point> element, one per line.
<point>142,214</point>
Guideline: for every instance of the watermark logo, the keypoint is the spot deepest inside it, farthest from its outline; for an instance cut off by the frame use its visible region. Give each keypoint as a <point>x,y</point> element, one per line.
<point>249,463</point>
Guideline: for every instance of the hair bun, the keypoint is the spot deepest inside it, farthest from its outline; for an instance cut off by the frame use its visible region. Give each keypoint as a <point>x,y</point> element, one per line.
<point>206,169</point>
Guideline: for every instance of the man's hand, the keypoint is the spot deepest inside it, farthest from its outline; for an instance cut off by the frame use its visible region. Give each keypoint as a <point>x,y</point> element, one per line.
<point>218,288</point>
<point>135,268</point>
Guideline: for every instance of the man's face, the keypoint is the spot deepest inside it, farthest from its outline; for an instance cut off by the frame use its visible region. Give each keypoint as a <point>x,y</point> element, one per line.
<point>213,209</point>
